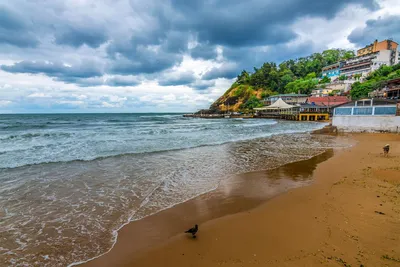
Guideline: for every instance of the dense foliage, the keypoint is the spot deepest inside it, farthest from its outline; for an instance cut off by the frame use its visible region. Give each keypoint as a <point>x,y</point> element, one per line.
<point>252,102</point>
<point>292,75</point>
<point>374,81</point>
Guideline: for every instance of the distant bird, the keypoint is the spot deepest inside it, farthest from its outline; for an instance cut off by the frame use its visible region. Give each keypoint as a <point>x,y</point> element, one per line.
<point>386,149</point>
<point>193,231</point>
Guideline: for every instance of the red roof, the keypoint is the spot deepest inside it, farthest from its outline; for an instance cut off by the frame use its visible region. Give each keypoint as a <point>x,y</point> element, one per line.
<point>327,100</point>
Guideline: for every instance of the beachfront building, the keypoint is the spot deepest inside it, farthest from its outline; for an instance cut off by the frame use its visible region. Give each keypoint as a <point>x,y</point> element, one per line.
<point>332,71</point>
<point>299,112</point>
<point>312,112</point>
<point>368,115</point>
<point>327,101</point>
<point>291,99</point>
<point>274,110</point>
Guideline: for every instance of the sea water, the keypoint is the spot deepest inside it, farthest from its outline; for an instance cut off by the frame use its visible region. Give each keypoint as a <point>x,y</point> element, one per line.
<point>68,182</point>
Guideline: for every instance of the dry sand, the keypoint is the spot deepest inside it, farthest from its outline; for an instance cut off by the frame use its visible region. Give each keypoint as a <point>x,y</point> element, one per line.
<point>349,216</point>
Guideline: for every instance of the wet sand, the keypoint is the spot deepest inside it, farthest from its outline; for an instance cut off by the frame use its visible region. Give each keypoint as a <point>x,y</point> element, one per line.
<point>349,215</point>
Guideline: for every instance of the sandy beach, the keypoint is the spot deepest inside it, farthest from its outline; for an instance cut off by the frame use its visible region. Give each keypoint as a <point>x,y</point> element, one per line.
<point>347,215</point>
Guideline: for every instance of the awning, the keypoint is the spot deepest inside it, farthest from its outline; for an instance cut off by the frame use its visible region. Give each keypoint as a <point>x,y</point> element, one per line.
<point>278,104</point>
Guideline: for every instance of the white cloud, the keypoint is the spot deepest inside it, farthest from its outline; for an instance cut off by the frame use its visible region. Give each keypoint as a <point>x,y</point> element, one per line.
<point>169,97</point>
<point>4,103</point>
<point>109,105</point>
<point>80,97</point>
<point>71,102</point>
<point>115,98</point>
<point>39,95</point>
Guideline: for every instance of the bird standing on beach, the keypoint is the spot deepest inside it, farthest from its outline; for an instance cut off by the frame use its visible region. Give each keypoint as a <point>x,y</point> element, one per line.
<point>386,149</point>
<point>193,231</point>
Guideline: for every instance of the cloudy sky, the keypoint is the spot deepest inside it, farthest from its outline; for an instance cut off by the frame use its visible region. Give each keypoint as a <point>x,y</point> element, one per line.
<point>164,55</point>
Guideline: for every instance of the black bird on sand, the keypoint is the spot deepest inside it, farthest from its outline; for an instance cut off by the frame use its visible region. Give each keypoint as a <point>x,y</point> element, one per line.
<point>193,231</point>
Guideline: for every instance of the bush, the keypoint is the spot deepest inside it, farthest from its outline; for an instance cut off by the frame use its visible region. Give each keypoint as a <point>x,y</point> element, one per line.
<point>252,102</point>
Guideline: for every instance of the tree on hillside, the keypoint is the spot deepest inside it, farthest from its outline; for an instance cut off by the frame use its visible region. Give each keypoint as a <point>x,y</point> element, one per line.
<point>252,102</point>
<point>303,86</point>
<point>348,55</point>
<point>325,79</point>
<point>243,78</point>
<point>359,90</point>
<point>357,76</point>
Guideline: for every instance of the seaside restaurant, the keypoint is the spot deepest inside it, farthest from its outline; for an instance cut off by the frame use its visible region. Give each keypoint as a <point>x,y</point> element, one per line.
<point>291,99</point>
<point>300,112</point>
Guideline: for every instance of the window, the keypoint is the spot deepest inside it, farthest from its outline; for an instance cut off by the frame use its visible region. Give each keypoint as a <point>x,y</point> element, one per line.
<point>342,111</point>
<point>385,110</point>
<point>362,111</point>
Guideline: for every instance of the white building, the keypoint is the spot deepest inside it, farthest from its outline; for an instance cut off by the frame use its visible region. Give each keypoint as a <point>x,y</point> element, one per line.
<point>368,115</point>
<point>365,64</point>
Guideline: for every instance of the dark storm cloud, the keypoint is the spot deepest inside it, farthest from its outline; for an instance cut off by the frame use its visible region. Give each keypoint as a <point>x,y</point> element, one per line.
<point>57,70</point>
<point>184,78</point>
<point>228,71</point>
<point>250,23</point>
<point>153,37</point>
<point>145,61</point>
<point>122,81</point>
<point>77,36</point>
<point>202,85</point>
<point>53,69</point>
<point>381,28</point>
<point>14,30</point>
<point>203,51</point>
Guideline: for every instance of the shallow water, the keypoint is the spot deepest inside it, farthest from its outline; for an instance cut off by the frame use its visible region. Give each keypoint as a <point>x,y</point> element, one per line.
<point>68,182</point>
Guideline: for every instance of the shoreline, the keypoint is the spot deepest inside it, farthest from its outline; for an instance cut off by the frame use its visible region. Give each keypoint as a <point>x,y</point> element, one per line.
<point>166,252</point>
<point>217,198</point>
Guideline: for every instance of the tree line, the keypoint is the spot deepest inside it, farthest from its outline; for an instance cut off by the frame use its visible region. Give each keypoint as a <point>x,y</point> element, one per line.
<point>292,76</point>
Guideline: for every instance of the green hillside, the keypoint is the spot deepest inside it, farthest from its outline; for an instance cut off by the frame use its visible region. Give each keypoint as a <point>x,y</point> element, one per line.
<point>374,81</point>
<point>290,76</point>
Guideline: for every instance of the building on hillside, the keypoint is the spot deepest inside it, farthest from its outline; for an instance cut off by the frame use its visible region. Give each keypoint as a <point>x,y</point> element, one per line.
<point>378,46</point>
<point>391,90</point>
<point>290,99</point>
<point>320,92</point>
<point>368,59</point>
<point>368,115</point>
<point>342,86</point>
<point>333,70</point>
<point>363,65</point>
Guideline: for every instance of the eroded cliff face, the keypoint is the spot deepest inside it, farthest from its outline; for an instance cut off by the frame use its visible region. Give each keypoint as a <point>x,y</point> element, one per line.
<point>235,98</point>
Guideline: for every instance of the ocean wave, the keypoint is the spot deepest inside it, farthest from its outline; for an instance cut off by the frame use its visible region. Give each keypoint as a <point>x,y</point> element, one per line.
<point>23,127</point>
<point>111,155</point>
<point>34,135</point>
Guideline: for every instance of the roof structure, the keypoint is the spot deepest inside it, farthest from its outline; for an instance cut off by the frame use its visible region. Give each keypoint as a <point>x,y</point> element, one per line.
<point>375,102</point>
<point>278,104</point>
<point>327,101</point>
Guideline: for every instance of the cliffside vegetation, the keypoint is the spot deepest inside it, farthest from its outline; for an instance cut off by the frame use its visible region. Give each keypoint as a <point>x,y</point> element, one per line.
<point>291,76</point>
<point>374,81</point>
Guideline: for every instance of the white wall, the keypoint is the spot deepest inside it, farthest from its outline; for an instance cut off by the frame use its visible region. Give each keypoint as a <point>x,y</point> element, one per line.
<point>367,123</point>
